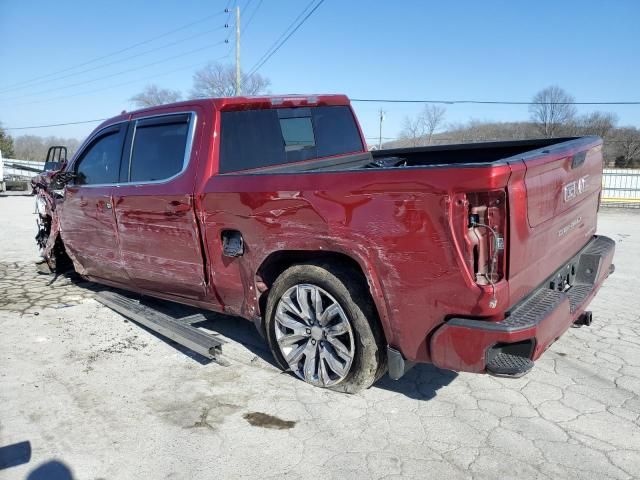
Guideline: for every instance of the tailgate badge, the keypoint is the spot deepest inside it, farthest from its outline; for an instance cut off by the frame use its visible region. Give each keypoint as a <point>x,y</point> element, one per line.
<point>575,188</point>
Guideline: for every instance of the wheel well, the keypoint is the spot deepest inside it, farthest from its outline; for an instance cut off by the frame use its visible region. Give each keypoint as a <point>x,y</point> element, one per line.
<point>278,262</point>
<point>61,260</point>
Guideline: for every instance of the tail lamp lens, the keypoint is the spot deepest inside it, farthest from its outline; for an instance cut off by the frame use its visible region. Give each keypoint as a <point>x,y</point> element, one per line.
<point>485,236</point>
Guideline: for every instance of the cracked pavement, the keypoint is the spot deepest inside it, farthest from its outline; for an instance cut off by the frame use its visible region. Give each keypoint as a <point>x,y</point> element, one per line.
<point>108,399</point>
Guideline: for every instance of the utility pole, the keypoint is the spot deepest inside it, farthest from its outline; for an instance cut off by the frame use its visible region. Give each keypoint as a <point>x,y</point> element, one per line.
<point>380,136</point>
<point>237,51</point>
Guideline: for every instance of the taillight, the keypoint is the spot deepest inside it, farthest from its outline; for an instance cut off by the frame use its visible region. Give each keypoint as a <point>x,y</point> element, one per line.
<point>486,229</point>
<point>479,224</point>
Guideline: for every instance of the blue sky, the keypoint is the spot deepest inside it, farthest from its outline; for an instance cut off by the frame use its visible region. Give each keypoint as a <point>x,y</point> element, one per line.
<point>487,50</point>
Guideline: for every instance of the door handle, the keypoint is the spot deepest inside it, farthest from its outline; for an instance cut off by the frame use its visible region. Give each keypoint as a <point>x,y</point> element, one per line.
<point>108,205</point>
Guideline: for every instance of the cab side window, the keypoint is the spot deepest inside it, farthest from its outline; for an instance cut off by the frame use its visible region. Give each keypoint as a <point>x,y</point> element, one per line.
<point>160,147</point>
<point>100,162</point>
<point>277,136</point>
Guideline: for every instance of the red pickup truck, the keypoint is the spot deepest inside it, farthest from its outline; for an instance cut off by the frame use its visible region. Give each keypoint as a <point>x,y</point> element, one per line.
<point>472,257</point>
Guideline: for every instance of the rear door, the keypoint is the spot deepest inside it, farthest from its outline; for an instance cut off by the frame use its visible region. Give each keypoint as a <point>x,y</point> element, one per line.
<point>154,205</point>
<point>87,219</point>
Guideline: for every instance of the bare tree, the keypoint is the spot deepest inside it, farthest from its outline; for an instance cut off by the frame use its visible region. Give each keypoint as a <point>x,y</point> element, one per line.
<point>217,80</point>
<point>551,109</point>
<point>621,145</point>
<point>433,118</point>
<point>627,147</point>
<point>34,147</point>
<point>29,147</point>
<point>413,131</point>
<point>153,95</point>
<point>597,123</point>
<point>419,130</point>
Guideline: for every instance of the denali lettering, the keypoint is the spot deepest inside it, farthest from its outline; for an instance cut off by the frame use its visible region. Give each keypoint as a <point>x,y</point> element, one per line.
<point>563,231</point>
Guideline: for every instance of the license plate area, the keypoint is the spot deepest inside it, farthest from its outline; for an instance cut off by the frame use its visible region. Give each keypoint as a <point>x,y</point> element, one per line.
<point>564,278</point>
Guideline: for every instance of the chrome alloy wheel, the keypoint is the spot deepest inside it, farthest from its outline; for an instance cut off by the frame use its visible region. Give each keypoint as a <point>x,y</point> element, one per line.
<point>314,335</point>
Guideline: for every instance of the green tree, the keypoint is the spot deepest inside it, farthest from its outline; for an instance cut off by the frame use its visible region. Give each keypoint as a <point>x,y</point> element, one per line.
<point>6,144</point>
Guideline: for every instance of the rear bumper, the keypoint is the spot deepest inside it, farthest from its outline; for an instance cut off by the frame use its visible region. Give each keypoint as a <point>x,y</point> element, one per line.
<point>463,344</point>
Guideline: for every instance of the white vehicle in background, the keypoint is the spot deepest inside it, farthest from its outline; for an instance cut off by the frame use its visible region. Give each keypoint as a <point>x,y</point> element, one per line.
<point>2,187</point>
<point>18,174</point>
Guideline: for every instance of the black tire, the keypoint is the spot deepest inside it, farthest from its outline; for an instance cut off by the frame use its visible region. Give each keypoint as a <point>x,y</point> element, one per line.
<point>350,290</point>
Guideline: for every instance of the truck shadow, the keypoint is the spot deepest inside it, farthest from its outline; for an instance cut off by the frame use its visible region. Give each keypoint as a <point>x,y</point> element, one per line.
<point>235,329</point>
<point>422,382</point>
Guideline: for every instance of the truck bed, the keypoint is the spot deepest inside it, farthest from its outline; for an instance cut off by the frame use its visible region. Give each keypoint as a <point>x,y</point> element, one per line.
<point>463,154</point>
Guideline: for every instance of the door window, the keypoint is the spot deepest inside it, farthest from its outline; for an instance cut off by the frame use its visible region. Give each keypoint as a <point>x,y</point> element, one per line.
<point>100,162</point>
<point>159,148</point>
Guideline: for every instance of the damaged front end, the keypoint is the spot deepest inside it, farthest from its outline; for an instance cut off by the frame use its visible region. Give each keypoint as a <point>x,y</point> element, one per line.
<point>48,188</point>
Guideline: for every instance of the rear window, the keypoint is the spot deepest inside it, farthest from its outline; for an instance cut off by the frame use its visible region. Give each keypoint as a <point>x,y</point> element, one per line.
<point>261,138</point>
<point>297,133</point>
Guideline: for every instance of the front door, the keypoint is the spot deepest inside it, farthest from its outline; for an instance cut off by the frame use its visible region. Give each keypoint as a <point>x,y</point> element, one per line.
<point>88,223</point>
<point>158,230</point>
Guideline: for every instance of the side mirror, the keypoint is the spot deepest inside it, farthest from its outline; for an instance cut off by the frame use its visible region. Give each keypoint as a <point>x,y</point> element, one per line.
<point>60,179</point>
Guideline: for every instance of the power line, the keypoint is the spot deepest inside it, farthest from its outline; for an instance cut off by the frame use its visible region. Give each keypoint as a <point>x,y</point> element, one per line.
<point>155,75</point>
<point>304,10</point>
<point>55,124</point>
<point>490,102</point>
<point>130,47</point>
<point>180,55</point>
<point>256,68</point>
<point>246,5</point>
<point>116,61</point>
<point>253,14</point>
<point>228,11</point>
<point>279,46</point>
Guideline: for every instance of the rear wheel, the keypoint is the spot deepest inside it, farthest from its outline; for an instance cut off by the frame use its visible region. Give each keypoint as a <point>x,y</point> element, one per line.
<point>321,326</point>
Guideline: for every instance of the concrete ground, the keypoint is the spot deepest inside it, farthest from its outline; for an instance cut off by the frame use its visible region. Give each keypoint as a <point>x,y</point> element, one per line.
<point>96,396</point>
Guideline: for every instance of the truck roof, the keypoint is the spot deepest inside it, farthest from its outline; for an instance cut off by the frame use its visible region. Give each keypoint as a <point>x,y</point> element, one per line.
<point>242,103</point>
<point>257,101</point>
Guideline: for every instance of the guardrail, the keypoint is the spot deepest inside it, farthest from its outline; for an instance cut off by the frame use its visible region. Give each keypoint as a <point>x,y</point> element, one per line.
<point>621,187</point>
<point>17,174</point>
<point>14,167</point>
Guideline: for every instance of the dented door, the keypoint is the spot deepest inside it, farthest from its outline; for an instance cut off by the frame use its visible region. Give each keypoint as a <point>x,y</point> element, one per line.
<point>87,220</point>
<point>90,234</point>
<point>159,235</point>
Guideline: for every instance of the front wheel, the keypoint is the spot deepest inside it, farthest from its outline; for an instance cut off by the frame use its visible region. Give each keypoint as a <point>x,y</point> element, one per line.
<point>321,326</point>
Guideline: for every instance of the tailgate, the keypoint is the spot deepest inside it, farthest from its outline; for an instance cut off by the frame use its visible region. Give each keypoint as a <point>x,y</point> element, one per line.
<point>554,195</point>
